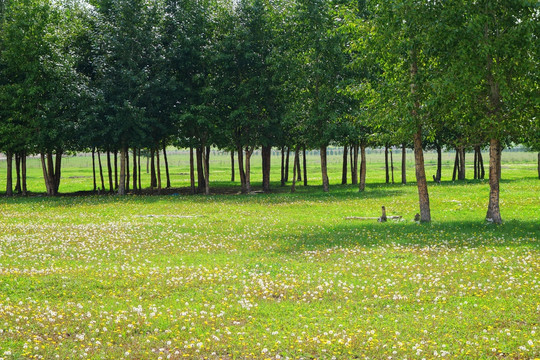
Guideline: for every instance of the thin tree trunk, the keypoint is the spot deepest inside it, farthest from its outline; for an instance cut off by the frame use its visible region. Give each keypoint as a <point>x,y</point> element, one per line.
<point>45,175</point>
<point>493,212</point>
<point>24,189</point>
<point>266,153</point>
<point>475,163</point>
<point>94,167</point>
<point>101,172</point>
<point>241,170</point>
<point>139,167</point>
<point>9,175</point>
<point>461,171</point>
<point>122,183</point>
<point>158,170</point>
<point>456,166</point>
<point>191,170</point>
<point>109,169</point>
<point>403,164</point>
<point>18,172</point>
<point>344,171</point>
<point>283,166</point>
<point>324,169</point>
<point>299,170</point>
<point>167,173</point>
<point>206,169</point>
<point>304,160</point>
<point>296,167</point>
<point>248,168</point>
<point>153,177</point>
<point>392,164</point>
<point>287,164</point>
<point>354,165</point>
<point>386,164</point>
<point>57,171</point>
<point>363,166</point>
<point>147,165</point>
<point>200,170</point>
<point>135,170</point>
<point>439,163</point>
<point>425,213</point>
<point>232,165</point>
<point>115,169</point>
<point>127,174</point>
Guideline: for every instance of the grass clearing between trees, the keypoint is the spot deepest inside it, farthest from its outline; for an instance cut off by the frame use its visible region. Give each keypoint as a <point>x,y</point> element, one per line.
<point>272,276</point>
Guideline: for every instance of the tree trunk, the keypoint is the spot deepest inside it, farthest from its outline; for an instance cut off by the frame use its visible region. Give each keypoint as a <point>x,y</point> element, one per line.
<point>266,166</point>
<point>475,163</point>
<point>299,170</point>
<point>206,163</point>
<point>461,171</point>
<point>392,164</point>
<point>135,170</point>
<point>109,169</point>
<point>296,167</point>
<point>23,170</point>
<point>9,175</point>
<point>439,163</point>
<point>232,165</point>
<point>115,169</point>
<point>539,165</point>
<point>403,164</point>
<point>386,164</point>
<point>18,172</point>
<point>147,165</point>
<point>248,169</point>
<point>456,165</point>
<point>94,168</point>
<point>200,170</point>
<point>122,184</point>
<point>45,174</point>
<point>139,168</point>
<point>101,172</point>
<point>191,170</point>
<point>283,166</point>
<point>153,177</point>
<point>127,174</point>
<point>287,164</point>
<point>362,167</point>
<point>167,173</point>
<point>241,170</point>
<point>425,213</point>
<point>305,165</point>
<point>207,159</point>
<point>344,172</point>
<point>493,212</point>
<point>57,171</point>
<point>354,169</point>
<point>324,169</point>
<point>158,170</point>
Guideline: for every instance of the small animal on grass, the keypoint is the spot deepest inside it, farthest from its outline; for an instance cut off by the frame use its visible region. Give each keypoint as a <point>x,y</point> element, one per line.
<point>383,216</point>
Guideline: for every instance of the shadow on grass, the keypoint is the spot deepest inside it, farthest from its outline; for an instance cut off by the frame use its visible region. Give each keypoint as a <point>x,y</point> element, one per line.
<point>454,234</point>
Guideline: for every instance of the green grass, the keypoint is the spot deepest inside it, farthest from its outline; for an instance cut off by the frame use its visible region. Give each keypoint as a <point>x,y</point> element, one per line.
<point>272,276</point>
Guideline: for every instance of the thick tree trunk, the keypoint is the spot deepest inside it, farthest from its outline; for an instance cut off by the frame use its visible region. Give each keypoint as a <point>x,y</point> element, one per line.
<point>110,172</point>
<point>115,169</point>
<point>200,170</point>
<point>392,164</point>
<point>296,167</point>
<point>153,176</point>
<point>456,166</point>
<point>101,171</point>
<point>354,166</point>
<point>344,171</point>
<point>206,169</point>
<point>232,165</point>
<point>439,164</point>
<point>362,167</point>
<point>9,175</point>
<point>158,170</point>
<point>425,213</point>
<point>167,173</point>
<point>287,164</point>
<point>94,168</point>
<point>191,171</point>
<point>122,183</point>
<point>493,212</point>
<point>241,170</point>
<point>135,170</point>
<point>324,169</point>
<point>386,164</point>
<point>266,166</point>
<point>304,160</point>
<point>283,166</point>
<point>403,164</point>
<point>248,169</point>
<point>18,172</point>
<point>23,170</point>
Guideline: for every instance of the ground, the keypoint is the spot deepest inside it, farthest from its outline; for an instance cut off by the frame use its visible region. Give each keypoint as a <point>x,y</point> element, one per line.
<point>274,276</point>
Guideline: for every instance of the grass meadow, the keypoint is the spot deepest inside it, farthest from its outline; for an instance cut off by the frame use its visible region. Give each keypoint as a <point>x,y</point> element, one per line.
<point>272,276</point>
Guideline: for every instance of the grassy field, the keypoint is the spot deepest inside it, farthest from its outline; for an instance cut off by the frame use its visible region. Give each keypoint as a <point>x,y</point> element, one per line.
<point>272,276</point>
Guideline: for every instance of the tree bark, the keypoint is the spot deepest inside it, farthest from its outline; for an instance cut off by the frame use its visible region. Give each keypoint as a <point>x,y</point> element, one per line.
<point>153,177</point>
<point>354,169</point>
<point>18,172</point>
<point>135,170</point>
<point>127,174</point>
<point>57,171</point>
<point>283,166</point>
<point>115,169</point>
<point>101,172</point>
<point>403,164</point>
<point>94,167</point>
<point>287,164</point>
<point>324,169</point>
<point>248,169</point>
<point>206,169</point>
<point>386,164</point>
<point>461,172</point>
<point>439,164</point>
<point>305,165</point>
<point>299,170</point>
<point>139,167</point>
<point>266,166</point>
<point>456,165</point>
<point>493,213</point>
<point>241,170</point>
<point>45,175</point>
<point>296,167</point>
<point>200,170</point>
<point>109,169</point>
<point>24,189</point>
<point>362,167</point>
<point>158,170</point>
<point>167,173</point>
<point>232,165</point>
<point>392,164</point>
<point>425,213</point>
<point>9,175</point>
<point>344,172</point>
<point>122,183</point>
<point>207,159</point>
<point>191,170</point>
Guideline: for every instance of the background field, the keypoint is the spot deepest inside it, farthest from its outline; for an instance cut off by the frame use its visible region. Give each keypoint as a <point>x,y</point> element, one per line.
<point>273,276</point>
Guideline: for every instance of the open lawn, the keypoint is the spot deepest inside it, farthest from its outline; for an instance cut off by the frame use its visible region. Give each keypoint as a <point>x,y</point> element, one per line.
<point>272,276</point>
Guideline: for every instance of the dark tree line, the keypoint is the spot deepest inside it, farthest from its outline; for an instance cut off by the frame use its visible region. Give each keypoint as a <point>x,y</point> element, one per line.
<point>123,79</point>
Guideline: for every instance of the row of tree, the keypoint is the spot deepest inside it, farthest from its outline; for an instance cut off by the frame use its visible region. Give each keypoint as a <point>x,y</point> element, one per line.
<point>121,76</point>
